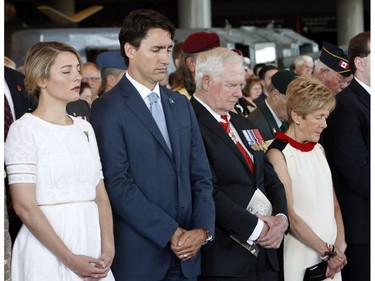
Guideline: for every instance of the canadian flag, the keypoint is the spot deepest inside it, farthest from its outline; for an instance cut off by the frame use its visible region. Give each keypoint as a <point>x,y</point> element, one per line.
<point>344,64</point>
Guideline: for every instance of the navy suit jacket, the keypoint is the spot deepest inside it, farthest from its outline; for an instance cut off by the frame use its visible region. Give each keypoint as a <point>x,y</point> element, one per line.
<point>234,185</point>
<point>79,108</point>
<point>347,143</point>
<point>21,100</point>
<point>260,100</point>
<point>151,190</point>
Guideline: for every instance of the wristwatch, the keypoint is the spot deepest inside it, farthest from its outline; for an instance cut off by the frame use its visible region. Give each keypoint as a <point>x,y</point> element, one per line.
<point>209,237</point>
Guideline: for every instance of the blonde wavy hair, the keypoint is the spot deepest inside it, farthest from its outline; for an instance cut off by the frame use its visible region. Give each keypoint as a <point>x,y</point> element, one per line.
<point>39,59</point>
<point>306,95</point>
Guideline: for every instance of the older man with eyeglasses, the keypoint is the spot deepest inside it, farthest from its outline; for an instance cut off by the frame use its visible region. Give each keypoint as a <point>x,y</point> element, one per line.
<point>91,74</point>
<point>332,68</point>
<point>304,65</point>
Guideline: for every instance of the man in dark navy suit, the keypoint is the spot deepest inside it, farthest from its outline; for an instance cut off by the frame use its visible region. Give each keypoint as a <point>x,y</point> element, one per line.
<point>154,161</point>
<point>347,142</point>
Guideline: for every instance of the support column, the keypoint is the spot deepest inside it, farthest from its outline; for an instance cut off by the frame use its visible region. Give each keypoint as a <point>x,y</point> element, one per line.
<point>194,13</point>
<point>349,20</point>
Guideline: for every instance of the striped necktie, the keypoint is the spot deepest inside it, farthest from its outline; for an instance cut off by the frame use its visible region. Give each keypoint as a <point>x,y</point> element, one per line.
<point>226,127</point>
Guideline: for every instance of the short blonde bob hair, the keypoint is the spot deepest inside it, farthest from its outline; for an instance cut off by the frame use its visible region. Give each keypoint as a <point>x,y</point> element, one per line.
<point>306,95</point>
<point>39,60</point>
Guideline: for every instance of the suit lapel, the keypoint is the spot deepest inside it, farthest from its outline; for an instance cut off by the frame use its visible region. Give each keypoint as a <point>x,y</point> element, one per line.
<point>170,113</point>
<point>269,117</point>
<point>135,103</point>
<point>255,154</point>
<point>362,94</point>
<point>17,92</point>
<point>206,119</point>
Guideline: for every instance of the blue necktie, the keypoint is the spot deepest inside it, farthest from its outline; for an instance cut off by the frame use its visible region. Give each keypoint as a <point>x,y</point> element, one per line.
<point>159,117</point>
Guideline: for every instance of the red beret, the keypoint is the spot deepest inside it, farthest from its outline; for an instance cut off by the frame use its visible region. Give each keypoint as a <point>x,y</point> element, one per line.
<point>238,51</point>
<point>200,41</point>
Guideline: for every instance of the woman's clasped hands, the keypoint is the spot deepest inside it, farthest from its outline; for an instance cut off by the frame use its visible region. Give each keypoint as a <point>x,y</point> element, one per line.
<point>337,262</point>
<point>91,269</point>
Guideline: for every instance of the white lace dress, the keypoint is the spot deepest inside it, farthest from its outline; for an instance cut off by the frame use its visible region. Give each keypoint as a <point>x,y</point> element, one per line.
<point>64,163</point>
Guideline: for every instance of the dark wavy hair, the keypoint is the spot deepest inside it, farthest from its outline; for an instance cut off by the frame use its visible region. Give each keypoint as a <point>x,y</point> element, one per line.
<point>136,25</point>
<point>358,47</point>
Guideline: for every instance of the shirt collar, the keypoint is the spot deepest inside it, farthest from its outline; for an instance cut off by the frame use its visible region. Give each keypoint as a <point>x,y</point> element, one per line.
<point>213,113</point>
<point>143,90</point>
<point>367,88</point>
<point>277,119</point>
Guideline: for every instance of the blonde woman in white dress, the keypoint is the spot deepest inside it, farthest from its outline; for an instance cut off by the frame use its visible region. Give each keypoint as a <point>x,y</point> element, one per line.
<point>55,178</point>
<point>316,227</point>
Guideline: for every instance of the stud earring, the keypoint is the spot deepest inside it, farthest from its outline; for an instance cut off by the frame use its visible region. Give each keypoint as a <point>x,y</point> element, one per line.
<point>297,122</point>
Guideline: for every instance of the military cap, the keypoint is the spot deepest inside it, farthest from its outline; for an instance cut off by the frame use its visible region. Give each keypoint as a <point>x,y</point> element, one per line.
<point>111,59</point>
<point>281,79</point>
<point>335,58</point>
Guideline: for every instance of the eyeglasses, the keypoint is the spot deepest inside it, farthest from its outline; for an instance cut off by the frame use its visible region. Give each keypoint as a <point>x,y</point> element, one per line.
<point>308,67</point>
<point>342,81</point>
<point>92,79</point>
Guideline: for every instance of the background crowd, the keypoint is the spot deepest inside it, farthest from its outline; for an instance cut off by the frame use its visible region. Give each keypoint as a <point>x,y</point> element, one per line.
<point>117,170</point>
